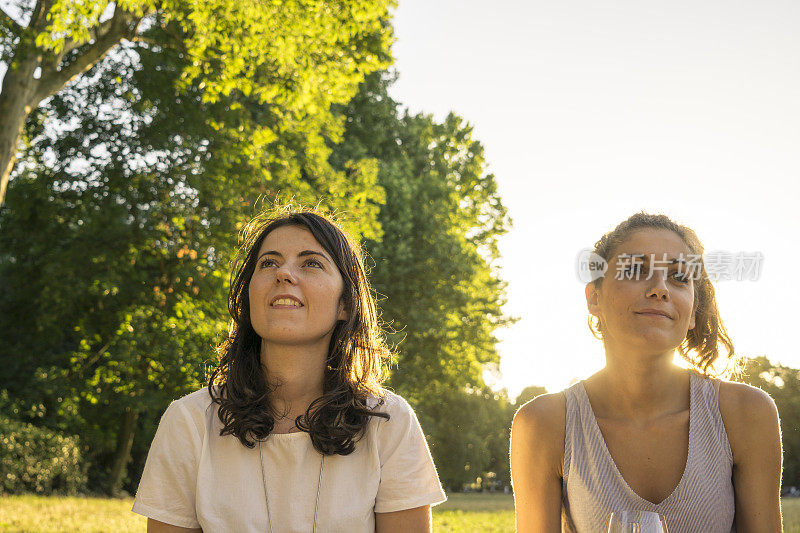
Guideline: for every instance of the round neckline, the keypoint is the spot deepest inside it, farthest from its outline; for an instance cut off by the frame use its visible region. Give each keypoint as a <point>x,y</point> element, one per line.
<point>684,475</point>
<point>281,436</point>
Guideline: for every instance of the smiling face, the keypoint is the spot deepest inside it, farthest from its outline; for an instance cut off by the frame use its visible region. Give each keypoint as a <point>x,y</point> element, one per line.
<point>296,289</point>
<point>651,315</point>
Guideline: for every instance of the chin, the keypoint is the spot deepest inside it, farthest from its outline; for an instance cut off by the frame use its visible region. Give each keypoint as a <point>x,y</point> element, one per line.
<point>284,338</point>
<point>291,338</point>
<point>659,343</point>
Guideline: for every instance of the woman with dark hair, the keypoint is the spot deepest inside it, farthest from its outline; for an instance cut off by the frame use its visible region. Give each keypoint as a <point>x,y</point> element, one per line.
<point>644,434</point>
<point>294,432</point>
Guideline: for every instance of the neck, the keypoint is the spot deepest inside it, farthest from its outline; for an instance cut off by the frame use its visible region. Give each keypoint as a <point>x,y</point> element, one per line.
<point>296,373</point>
<point>639,386</point>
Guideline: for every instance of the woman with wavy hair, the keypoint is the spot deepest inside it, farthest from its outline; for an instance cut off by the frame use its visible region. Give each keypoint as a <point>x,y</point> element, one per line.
<point>644,434</point>
<point>294,432</point>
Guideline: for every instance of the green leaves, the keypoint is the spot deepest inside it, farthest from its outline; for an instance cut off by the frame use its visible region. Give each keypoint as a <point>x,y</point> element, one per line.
<point>33,459</point>
<point>440,221</point>
<point>312,54</point>
<point>70,20</point>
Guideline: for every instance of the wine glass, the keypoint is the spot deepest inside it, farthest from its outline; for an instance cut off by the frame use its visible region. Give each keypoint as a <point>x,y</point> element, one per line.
<point>637,522</point>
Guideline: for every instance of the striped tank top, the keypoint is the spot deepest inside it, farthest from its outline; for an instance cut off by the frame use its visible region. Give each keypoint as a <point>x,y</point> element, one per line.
<point>593,487</point>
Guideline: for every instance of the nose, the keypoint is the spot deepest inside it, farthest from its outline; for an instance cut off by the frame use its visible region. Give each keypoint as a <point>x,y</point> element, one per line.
<point>658,288</point>
<point>284,275</point>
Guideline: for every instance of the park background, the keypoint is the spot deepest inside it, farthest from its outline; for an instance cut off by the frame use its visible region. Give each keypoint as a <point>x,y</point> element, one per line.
<point>428,127</point>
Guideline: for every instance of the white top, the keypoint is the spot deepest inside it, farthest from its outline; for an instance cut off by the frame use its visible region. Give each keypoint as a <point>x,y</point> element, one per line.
<point>194,478</point>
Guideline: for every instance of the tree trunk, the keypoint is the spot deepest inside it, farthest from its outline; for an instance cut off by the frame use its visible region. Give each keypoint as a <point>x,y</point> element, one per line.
<point>123,454</point>
<point>17,100</point>
<point>21,92</point>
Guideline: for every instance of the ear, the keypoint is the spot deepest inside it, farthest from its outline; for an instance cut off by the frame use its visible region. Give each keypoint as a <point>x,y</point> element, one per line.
<point>593,299</point>
<point>343,315</point>
<point>691,318</point>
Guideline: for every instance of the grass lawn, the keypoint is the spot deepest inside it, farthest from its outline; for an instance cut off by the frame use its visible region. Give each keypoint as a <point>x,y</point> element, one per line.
<point>37,514</point>
<point>492,513</point>
<point>483,513</point>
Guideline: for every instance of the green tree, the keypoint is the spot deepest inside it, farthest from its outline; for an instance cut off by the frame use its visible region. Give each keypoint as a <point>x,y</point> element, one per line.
<point>294,56</point>
<point>119,233</point>
<point>468,432</point>
<point>435,268</point>
<point>527,394</point>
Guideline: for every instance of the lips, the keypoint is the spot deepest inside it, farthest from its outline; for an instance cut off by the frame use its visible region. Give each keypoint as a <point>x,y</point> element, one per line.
<point>654,312</point>
<point>286,301</point>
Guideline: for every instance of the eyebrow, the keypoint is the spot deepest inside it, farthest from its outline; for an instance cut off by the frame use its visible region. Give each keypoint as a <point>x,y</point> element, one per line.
<point>304,253</point>
<point>646,258</point>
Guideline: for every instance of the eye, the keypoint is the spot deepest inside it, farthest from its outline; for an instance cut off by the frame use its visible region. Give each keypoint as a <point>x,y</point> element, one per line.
<point>681,277</point>
<point>314,263</point>
<point>267,262</point>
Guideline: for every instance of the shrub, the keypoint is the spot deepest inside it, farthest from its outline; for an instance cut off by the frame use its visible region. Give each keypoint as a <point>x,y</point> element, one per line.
<point>35,459</point>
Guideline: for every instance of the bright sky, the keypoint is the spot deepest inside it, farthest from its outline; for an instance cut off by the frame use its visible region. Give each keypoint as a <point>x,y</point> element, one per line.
<point>591,111</point>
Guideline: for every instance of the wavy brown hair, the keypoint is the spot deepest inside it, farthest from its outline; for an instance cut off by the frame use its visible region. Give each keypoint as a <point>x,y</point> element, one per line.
<point>701,347</point>
<point>355,363</point>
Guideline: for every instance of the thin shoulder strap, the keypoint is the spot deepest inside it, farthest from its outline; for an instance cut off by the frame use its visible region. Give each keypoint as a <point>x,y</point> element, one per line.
<point>571,418</point>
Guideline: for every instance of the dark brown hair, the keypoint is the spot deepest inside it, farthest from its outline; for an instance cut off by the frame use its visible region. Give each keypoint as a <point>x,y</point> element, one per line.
<point>355,364</point>
<point>700,348</point>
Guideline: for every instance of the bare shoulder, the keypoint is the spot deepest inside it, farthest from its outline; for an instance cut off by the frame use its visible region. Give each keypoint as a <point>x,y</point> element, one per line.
<point>546,411</point>
<point>537,459</point>
<point>541,424</point>
<point>743,402</point>
<point>747,412</point>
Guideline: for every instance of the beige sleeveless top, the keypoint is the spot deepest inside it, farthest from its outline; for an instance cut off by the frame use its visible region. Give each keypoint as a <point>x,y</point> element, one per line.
<point>593,487</point>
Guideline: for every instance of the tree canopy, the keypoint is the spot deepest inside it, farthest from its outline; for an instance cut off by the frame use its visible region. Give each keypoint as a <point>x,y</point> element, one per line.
<point>435,270</point>
<point>293,58</point>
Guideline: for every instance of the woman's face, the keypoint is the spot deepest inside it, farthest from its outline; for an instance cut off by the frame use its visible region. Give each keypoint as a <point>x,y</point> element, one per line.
<point>653,314</point>
<point>296,289</point>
